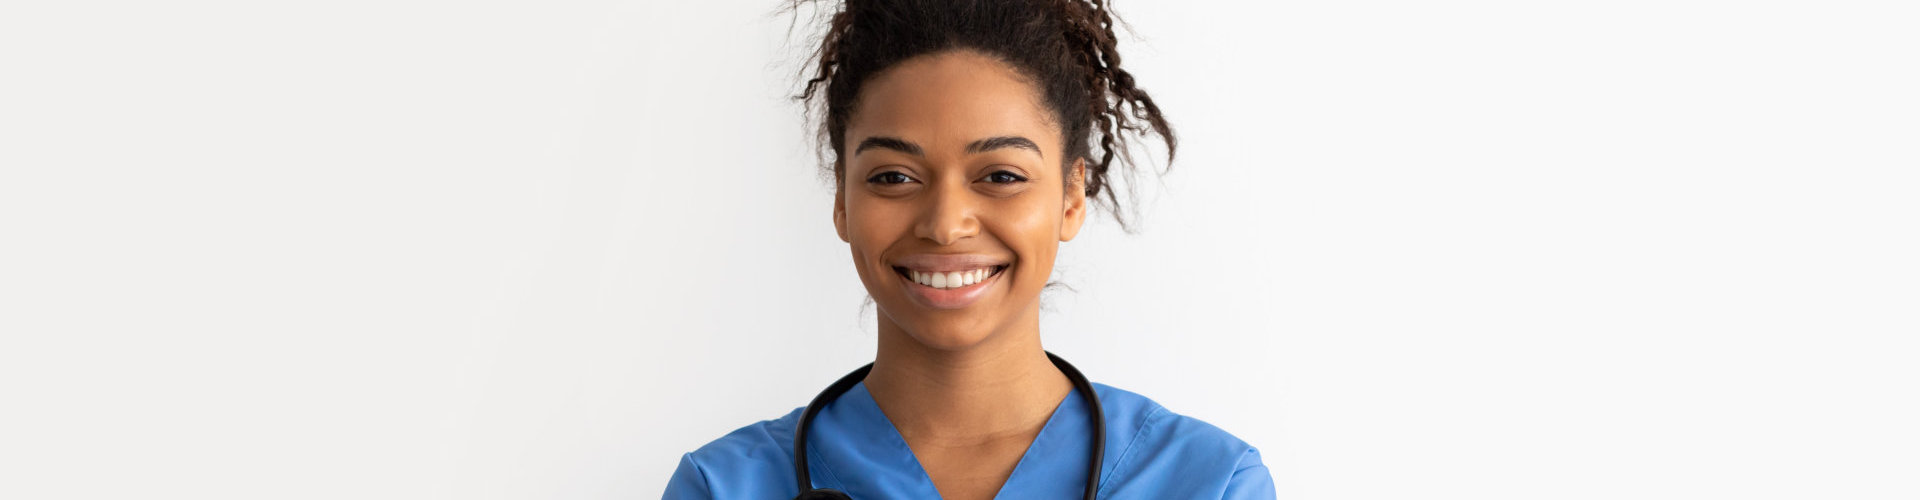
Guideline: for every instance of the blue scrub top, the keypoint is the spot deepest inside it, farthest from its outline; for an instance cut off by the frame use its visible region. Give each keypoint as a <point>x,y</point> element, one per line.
<point>1151,453</point>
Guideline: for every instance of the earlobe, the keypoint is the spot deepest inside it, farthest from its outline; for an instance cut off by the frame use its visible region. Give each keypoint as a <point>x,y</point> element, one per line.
<point>1075,212</point>
<point>840,215</point>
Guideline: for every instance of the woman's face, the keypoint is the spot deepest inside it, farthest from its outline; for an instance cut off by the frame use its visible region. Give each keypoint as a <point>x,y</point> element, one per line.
<point>952,177</point>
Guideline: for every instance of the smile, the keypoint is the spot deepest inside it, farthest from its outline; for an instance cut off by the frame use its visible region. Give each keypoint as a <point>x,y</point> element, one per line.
<point>950,279</point>
<point>950,290</point>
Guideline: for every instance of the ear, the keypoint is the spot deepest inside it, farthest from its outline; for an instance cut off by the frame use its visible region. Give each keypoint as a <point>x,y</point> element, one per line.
<point>840,213</point>
<point>1075,212</point>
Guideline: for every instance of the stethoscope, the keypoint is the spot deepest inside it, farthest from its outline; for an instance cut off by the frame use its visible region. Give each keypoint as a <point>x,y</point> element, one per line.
<point>845,383</point>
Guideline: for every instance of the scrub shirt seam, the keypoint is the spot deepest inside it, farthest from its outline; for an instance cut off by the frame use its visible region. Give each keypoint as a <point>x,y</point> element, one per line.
<point>705,483</point>
<point>1024,456</point>
<point>1250,451</point>
<point>828,468</point>
<point>1120,464</point>
<point>811,452</point>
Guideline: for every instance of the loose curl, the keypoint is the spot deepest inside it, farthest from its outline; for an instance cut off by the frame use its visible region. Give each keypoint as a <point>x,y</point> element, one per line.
<point>1066,48</point>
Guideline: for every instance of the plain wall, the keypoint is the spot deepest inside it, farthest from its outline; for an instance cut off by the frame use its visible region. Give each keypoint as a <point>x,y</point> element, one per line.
<point>537,250</point>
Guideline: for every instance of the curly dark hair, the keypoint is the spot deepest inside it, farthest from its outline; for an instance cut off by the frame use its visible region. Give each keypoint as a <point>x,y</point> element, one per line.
<point>1066,48</point>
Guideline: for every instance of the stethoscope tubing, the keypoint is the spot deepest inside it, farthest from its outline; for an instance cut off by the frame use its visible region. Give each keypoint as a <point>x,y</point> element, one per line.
<point>807,492</point>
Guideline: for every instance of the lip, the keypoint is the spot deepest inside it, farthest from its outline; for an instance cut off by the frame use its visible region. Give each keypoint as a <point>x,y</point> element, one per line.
<point>946,263</point>
<point>949,298</point>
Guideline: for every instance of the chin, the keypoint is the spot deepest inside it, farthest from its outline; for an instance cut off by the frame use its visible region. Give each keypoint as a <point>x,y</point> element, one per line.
<point>948,339</point>
<point>945,335</point>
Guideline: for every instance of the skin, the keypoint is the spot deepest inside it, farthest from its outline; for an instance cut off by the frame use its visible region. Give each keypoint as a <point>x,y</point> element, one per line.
<point>970,388</point>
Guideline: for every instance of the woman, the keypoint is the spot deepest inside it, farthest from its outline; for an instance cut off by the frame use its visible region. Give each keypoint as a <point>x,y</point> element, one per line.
<point>962,135</point>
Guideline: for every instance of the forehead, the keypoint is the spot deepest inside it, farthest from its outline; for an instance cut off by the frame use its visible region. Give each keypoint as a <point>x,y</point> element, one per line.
<point>948,99</point>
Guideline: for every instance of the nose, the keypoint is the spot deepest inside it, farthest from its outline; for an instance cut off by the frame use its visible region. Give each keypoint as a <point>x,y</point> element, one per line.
<point>947,214</point>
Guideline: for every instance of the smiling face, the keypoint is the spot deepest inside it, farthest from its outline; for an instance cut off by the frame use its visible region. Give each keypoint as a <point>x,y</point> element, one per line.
<point>952,178</point>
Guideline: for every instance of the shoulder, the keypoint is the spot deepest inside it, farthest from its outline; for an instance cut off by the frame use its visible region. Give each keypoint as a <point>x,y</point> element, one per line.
<point>755,456</point>
<point>1147,423</point>
<point>758,441</point>
<point>1149,443</point>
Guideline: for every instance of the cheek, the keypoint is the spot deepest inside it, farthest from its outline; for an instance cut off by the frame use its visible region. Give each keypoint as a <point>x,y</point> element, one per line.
<point>871,227</point>
<point>1032,230</point>
<point>865,214</point>
<point>1035,214</point>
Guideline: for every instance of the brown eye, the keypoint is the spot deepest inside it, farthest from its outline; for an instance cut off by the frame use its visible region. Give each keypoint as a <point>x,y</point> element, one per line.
<point>890,178</point>
<point>1005,177</point>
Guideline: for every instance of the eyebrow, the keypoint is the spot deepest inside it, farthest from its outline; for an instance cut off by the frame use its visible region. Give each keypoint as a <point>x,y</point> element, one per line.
<point>992,143</point>
<point>979,146</point>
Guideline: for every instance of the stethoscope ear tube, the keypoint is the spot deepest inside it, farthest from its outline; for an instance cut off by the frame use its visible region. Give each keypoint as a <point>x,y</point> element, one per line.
<point>800,435</point>
<point>807,492</point>
<point>822,495</point>
<point>1099,422</point>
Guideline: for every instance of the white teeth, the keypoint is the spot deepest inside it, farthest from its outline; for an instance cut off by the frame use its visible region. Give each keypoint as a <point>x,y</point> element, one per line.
<point>955,279</point>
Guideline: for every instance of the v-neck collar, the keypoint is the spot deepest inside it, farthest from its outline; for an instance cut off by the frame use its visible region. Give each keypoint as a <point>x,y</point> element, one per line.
<point>864,455</point>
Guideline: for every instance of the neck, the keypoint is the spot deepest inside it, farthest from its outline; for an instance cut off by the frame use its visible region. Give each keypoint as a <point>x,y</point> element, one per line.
<point>1001,387</point>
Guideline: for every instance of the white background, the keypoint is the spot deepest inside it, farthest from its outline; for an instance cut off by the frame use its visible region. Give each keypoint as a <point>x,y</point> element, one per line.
<point>537,250</point>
